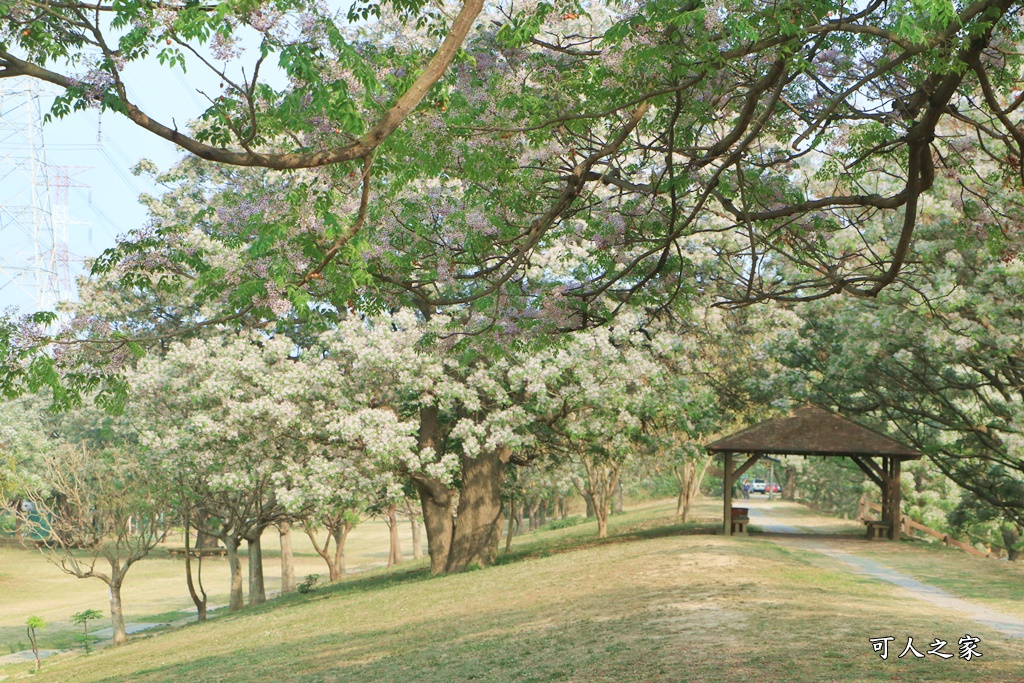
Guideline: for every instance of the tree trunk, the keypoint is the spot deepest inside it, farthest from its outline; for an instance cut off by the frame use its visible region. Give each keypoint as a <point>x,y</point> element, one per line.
<point>288,584</point>
<point>116,613</point>
<point>689,475</point>
<point>602,478</point>
<point>1011,537</point>
<point>195,588</point>
<point>18,521</point>
<point>789,488</point>
<point>436,503</point>
<point>204,540</point>
<point>475,541</point>
<point>337,529</point>
<point>341,533</point>
<point>257,591</point>
<point>395,551</point>
<point>417,544</point>
<point>511,522</point>
<point>435,498</point>
<point>236,600</point>
<point>601,512</point>
<point>590,503</point>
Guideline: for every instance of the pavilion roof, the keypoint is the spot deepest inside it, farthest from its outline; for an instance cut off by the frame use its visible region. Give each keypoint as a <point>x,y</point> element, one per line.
<point>811,430</point>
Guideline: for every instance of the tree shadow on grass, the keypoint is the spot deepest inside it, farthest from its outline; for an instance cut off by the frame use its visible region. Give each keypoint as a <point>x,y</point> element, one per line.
<point>693,627</point>
<point>530,549</point>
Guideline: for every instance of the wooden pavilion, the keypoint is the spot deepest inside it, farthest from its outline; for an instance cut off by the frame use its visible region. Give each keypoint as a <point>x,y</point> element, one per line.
<point>811,430</point>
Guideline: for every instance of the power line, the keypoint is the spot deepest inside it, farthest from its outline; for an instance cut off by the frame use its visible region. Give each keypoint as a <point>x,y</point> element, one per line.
<point>35,262</point>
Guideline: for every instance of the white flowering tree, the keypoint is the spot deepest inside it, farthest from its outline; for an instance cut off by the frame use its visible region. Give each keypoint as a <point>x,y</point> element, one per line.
<point>452,146</point>
<point>217,414</point>
<point>940,364</point>
<point>604,389</point>
<point>475,410</point>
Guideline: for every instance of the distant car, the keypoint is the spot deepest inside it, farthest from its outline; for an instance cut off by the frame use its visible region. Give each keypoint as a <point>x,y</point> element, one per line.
<point>758,486</point>
<point>774,488</point>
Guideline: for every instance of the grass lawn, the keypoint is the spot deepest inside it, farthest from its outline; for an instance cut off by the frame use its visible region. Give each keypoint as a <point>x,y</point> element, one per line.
<point>656,602</point>
<point>995,583</point>
<point>154,590</point>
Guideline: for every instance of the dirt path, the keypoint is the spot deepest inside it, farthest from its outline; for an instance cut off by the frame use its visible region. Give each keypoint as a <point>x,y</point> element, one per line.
<point>774,518</point>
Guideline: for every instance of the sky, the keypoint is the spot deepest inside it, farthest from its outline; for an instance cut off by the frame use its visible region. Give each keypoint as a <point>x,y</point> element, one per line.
<point>99,151</point>
<point>102,199</point>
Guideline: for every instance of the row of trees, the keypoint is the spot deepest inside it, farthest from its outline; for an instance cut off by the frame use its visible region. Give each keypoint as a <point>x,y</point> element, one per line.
<point>471,189</point>
<point>233,433</point>
<point>939,363</point>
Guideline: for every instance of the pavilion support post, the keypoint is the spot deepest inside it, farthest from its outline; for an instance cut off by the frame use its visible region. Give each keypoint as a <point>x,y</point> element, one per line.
<point>885,487</point>
<point>727,479</point>
<point>895,467</point>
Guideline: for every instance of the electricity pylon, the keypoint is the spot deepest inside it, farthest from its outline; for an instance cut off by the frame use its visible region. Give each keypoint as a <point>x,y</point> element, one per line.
<point>33,252</point>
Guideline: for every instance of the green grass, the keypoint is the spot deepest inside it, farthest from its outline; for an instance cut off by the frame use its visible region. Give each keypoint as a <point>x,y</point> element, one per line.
<point>656,602</point>
<point>995,583</point>
<point>154,590</point>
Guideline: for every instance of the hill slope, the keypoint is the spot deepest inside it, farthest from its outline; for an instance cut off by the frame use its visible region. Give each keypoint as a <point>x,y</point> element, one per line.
<point>656,608</point>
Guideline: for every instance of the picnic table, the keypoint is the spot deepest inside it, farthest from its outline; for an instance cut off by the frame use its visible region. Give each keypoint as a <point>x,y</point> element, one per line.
<point>198,552</point>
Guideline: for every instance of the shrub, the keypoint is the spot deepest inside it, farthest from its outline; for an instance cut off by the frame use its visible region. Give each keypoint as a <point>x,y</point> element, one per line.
<point>563,523</point>
<point>309,584</point>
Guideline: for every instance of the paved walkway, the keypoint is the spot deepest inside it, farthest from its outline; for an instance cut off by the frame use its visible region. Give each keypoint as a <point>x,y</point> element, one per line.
<point>106,635</point>
<point>770,520</point>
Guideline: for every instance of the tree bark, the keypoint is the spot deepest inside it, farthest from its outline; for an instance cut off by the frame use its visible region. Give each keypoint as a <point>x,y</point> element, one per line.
<point>288,583</point>
<point>435,498</point>
<point>257,590</point>
<point>590,503</point>
<point>602,478</point>
<point>689,476</point>
<point>511,522</point>
<point>236,601</point>
<point>1010,538</point>
<point>18,528</point>
<point>337,526</point>
<point>601,512</point>
<point>395,550</point>
<point>116,612</point>
<point>789,489</point>
<point>475,540</point>
<point>204,540</point>
<point>195,587</point>
<point>436,502</point>
<point>417,544</point>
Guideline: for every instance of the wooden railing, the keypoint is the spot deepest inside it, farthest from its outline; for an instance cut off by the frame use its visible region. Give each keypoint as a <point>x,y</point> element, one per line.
<point>866,507</point>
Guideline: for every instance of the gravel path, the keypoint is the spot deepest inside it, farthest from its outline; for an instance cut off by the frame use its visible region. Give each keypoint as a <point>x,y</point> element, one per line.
<point>768,520</point>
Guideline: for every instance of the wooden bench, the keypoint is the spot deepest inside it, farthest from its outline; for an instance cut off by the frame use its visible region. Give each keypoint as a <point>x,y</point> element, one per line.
<point>877,529</point>
<point>740,519</point>
<point>197,552</point>
<point>11,542</point>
